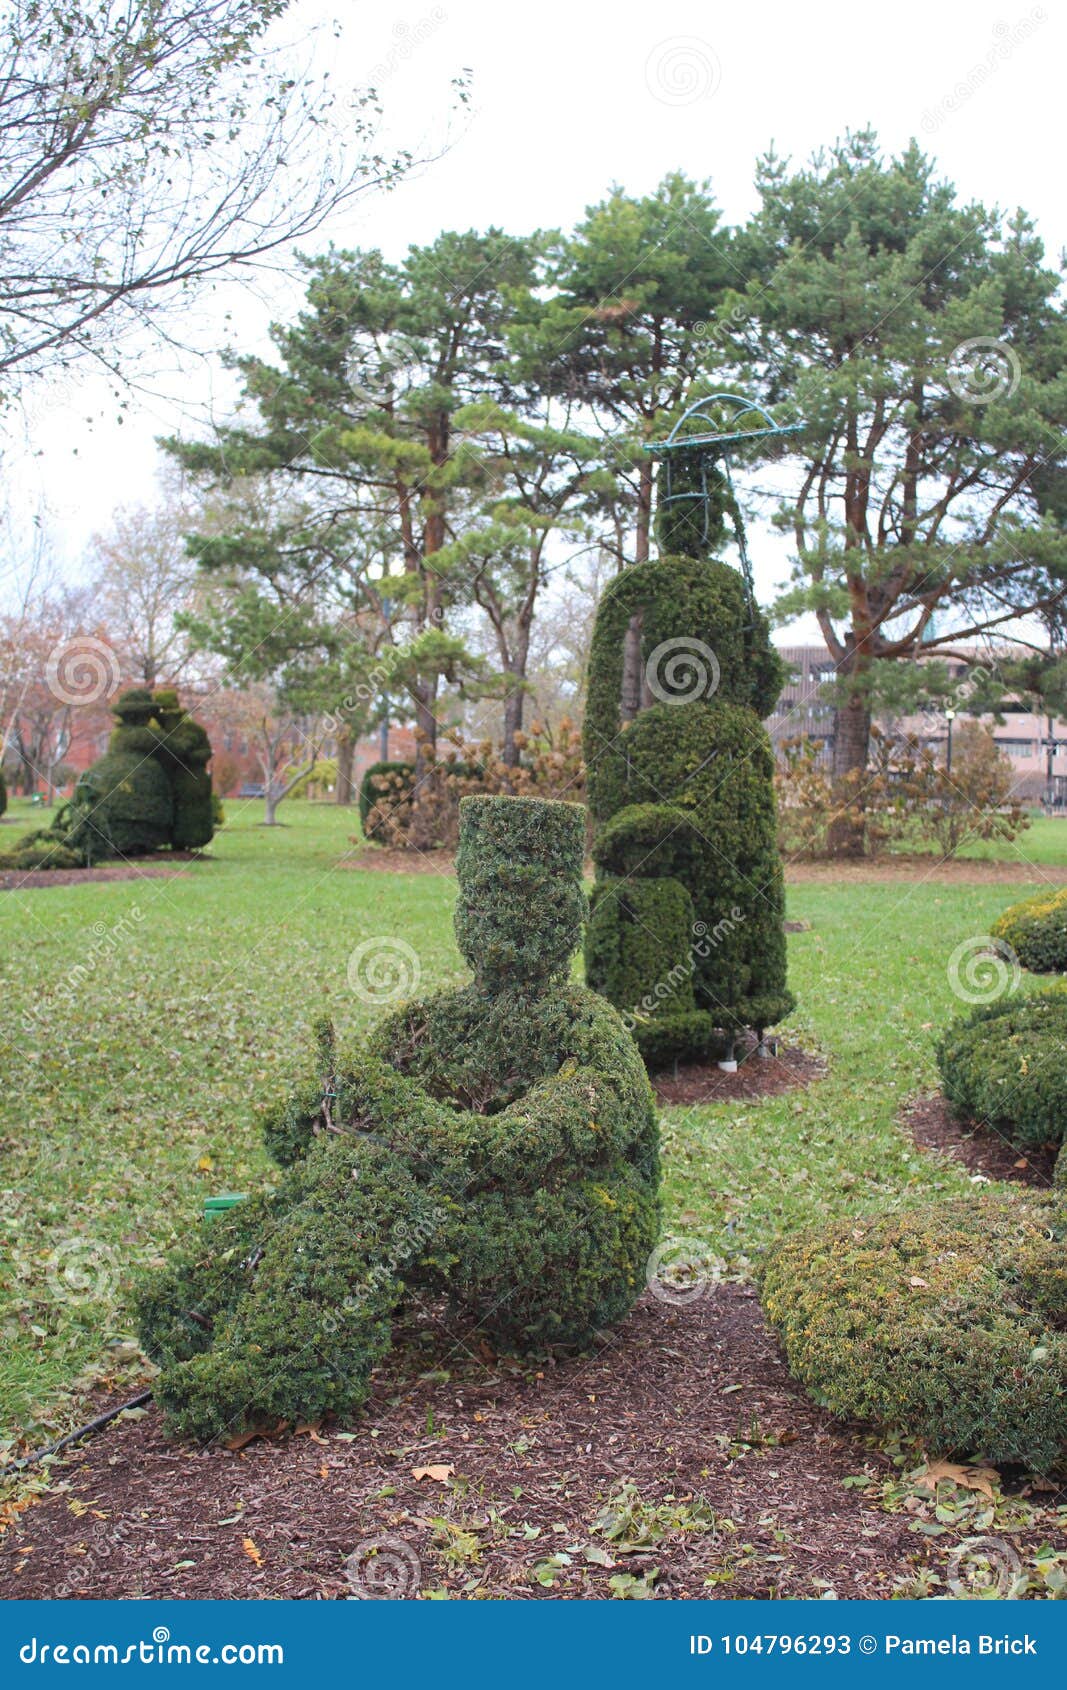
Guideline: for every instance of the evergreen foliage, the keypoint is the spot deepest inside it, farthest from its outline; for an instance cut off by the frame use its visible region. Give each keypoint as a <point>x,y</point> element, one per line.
<point>683,790</point>
<point>945,1323</point>
<point>497,1144</point>
<point>1005,1065</point>
<point>1036,930</point>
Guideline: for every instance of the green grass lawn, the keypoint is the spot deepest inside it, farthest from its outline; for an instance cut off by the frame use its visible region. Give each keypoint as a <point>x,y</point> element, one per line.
<point>148,1024</point>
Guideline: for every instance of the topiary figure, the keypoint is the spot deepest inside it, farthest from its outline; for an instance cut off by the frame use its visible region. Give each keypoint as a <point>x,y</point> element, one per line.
<point>151,787</point>
<point>681,789</point>
<point>944,1322</point>
<point>1036,930</point>
<point>184,751</point>
<point>1005,1065</point>
<point>497,1144</point>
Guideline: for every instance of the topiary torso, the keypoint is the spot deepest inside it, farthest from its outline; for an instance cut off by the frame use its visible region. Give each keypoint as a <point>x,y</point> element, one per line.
<point>681,787</point>
<point>497,1144</point>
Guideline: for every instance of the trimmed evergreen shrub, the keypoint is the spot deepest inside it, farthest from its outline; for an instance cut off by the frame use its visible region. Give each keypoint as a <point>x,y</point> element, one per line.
<point>640,946</point>
<point>945,1323</point>
<point>682,789</point>
<point>42,849</point>
<point>1005,1065</point>
<point>122,807</point>
<point>184,750</point>
<point>497,1144</point>
<point>1036,930</point>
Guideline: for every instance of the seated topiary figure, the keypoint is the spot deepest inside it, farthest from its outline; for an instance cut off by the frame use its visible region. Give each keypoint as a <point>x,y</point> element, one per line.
<point>497,1144</point>
<point>1036,930</point>
<point>681,789</point>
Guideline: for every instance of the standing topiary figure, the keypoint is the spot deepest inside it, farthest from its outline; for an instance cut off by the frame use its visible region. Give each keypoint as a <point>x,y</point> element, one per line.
<point>497,1144</point>
<point>184,751</point>
<point>686,935</point>
<point>151,787</point>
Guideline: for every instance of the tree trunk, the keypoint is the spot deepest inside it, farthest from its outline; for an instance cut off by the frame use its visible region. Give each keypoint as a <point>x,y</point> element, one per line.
<point>270,809</point>
<point>852,737</point>
<point>644,511</point>
<point>346,752</point>
<point>514,704</point>
<point>421,833</point>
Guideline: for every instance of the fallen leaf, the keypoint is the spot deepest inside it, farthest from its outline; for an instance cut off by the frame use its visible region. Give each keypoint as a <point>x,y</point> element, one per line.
<point>249,1547</point>
<point>324,1471</point>
<point>243,1438</point>
<point>205,1164</point>
<point>438,1472</point>
<point>1021,1163</point>
<point>916,1281</point>
<point>981,1479</point>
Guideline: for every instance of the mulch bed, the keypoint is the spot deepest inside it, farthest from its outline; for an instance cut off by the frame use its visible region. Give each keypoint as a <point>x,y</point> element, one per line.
<point>757,1076</point>
<point>388,860</point>
<point>681,1400</point>
<point>25,880</point>
<point>383,859</point>
<point>917,869</point>
<point>934,1126</point>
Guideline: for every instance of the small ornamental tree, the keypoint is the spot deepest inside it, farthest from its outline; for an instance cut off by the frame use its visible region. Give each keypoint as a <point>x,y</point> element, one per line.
<point>497,1144</point>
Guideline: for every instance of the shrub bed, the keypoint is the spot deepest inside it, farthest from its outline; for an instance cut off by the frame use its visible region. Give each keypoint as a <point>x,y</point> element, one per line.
<point>945,1323</point>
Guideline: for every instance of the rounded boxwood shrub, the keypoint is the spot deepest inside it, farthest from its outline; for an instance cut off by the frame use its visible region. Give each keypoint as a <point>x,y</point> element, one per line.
<point>497,1145</point>
<point>1005,1065</point>
<point>1036,930</point>
<point>945,1323</point>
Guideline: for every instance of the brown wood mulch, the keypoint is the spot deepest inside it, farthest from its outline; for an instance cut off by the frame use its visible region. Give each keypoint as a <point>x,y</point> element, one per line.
<point>25,880</point>
<point>388,860</point>
<point>682,1401</point>
<point>757,1076</point>
<point>935,1126</point>
<point>923,869</point>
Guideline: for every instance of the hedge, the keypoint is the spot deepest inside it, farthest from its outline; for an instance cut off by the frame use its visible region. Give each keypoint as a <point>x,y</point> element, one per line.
<point>944,1323</point>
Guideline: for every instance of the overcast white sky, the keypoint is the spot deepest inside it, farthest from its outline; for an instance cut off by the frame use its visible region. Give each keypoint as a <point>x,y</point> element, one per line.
<point>569,98</point>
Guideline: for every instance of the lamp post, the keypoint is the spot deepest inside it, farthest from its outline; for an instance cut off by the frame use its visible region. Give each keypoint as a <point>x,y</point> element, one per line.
<point>950,717</point>
<point>1051,745</point>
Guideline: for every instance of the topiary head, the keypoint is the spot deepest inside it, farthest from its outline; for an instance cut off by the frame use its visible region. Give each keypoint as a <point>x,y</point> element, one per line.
<point>134,707</point>
<point>521,904</point>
